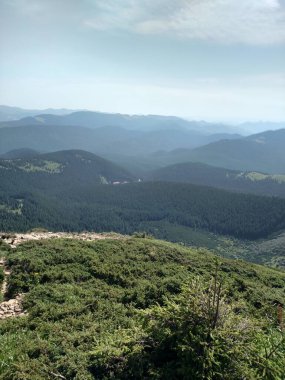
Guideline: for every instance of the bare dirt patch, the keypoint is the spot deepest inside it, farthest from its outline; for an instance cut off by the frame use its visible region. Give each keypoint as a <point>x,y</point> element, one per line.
<point>12,307</point>
<point>15,239</point>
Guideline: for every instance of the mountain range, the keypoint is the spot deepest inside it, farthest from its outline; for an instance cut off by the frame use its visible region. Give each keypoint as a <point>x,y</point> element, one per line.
<point>8,113</point>
<point>260,152</point>
<point>76,190</point>
<point>58,171</point>
<point>104,134</point>
<point>91,119</point>
<point>142,144</point>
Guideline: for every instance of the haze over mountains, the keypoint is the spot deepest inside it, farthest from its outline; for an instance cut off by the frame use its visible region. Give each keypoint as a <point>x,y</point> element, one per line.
<point>151,141</point>
<point>8,113</point>
<point>54,173</point>
<point>113,172</point>
<point>137,191</point>
<point>109,139</point>
<point>91,119</point>
<point>261,152</point>
<point>108,133</point>
<point>142,191</point>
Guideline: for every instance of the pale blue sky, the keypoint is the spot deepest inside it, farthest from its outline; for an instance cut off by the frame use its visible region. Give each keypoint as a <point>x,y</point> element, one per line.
<point>200,59</point>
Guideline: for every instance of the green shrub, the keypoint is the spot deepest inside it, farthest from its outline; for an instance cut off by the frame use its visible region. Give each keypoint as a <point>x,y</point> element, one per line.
<point>199,334</point>
<point>119,309</point>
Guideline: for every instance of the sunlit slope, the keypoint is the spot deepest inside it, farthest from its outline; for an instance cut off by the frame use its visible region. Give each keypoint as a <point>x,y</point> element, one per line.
<point>85,305</point>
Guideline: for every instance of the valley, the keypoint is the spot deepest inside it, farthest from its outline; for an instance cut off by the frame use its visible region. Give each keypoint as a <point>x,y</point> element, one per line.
<point>233,180</point>
<point>106,240</point>
<point>142,190</point>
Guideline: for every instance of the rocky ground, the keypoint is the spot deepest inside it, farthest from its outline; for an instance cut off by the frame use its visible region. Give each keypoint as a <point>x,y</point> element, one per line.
<point>12,307</point>
<point>14,239</point>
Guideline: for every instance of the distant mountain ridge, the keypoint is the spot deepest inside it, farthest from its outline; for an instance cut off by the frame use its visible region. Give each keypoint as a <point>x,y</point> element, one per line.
<point>92,119</point>
<point>8,113</point>
<point>141,143</point>
<point>33,133</point>
<point>259,126</point>
<point>148,122</point>
<point>262,152</point>
<point>19,153</point>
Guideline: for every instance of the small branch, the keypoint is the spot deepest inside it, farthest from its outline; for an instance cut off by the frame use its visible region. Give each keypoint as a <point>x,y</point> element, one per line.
<point>58,375</point>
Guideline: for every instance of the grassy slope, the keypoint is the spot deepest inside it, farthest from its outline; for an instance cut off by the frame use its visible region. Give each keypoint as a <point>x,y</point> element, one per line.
<point>269,251</point>
<point>79,294</point>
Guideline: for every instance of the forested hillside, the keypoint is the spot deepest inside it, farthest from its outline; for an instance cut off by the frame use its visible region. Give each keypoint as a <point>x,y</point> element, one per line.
<point>140,309</point>
<point>202,174</point>
<point>135,206</point>
<point>269,252</point>
<point>58,171</point>
<point>142,191</point>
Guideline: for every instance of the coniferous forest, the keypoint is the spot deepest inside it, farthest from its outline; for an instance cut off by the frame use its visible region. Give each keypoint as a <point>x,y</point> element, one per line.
<point>127,208</point>
<point>142,190</point>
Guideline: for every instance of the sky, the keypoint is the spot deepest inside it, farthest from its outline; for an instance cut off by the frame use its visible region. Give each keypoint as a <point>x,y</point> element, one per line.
<point>214,60</point>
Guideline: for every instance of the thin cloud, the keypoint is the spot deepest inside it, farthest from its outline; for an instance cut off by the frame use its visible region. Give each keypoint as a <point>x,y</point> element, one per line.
<point>252,22</point>
<point>255,22</point>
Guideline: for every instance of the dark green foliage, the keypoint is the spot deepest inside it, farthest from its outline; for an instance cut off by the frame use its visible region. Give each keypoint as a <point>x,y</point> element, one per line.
<point>202,174</point>
<point>1,277</point>
<point>4,248</point>
<point>66,191</point>
<point>58,171</point>
<point>200,334</point>
<point>269,251</point>
<point>114,310</point>
<point>64,202</point>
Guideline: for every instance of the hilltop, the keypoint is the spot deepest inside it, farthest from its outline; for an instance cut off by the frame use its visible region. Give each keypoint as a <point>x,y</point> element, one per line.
<point>234,180</point>
<point>8,113</point>
<point>60,170</point>
<point>262,152</point>
<point>124,309</point>
<point>19,153</point>
<point>92,119</point>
